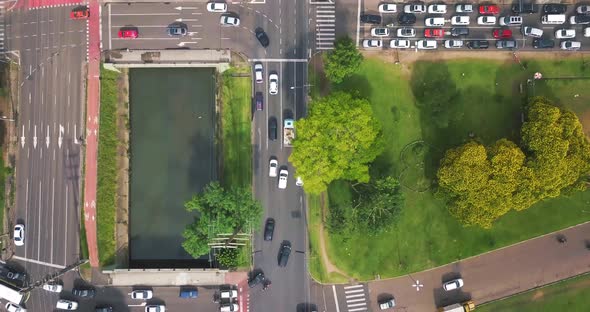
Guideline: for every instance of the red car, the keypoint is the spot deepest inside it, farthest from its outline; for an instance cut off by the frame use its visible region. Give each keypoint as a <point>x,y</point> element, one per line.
<point>128,33</point>
<point>80,13</point>
<point>489,9</point>
<point>500,33</point>
<point>434,33</point>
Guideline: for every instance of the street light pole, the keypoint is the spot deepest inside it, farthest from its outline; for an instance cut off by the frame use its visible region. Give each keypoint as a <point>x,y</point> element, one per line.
<point>6,118</point>
<point>303,86</point>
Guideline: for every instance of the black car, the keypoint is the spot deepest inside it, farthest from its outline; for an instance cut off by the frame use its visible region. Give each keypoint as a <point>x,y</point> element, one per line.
<point>272,128</point>
<point>506,44</point>
<point>529,8</point>
<point>84,293</point>
<point>284,253</point>
<point>459,31</point>
<point>177,30</point>
<point>258,100</point>
<point>262,37</point>
<point>16,276</point>
<point>371,19</point>
<point>554,8</point>
<point>269,229</point>
<point>407,19</point>
<point>539,43</point>
<point>580,19</point>
<point>256,279</point>
<point>478,44</point>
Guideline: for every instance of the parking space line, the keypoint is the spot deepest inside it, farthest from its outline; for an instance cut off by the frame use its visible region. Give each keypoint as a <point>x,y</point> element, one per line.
<point>335,298</point>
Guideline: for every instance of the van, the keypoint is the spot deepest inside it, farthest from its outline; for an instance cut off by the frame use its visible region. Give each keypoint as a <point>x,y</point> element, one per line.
<point>532,32</point>
<point>188,293</point>
<point>512,20</point>
<point>553,19</point>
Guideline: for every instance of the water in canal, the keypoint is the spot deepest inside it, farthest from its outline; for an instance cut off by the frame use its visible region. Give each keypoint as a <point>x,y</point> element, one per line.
<point>173,156</point>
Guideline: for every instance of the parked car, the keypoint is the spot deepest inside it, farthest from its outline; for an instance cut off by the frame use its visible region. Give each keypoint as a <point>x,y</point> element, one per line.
<point>406,19</point>
<point>372,43</point>
<point>80,12</point>
<point>464,8</point>
<point>19,235</point>
<point>426,44</point>
<point>258,72</point>
<point>570,45</point>
<point>540,43</point>
<point>506,44</point>
<point>273,164</point>
<point>489,9</point>
<point>554,8</point>
<point>229,307</point>
<point>434,32</point>
<point>56,288</point>
<point>587,32</point>
<point>17,276</point>
<point>565,33</point>
<point>188,293</point>
<point>217,7</point>
<point>513,20</point>
<point>229,20</point>
<point>580,19</point>
<point>143,294</point>
<point>155,308</point>
<point>371,19</point>
<point>64,304</point>
<point>477,44</point>
<point>128,33</point>
<point>583,9</point>
<point>532,32</point>
<point>269,229</point>
<point>529,8</point>
<point>229,294</point>
<point>11,307</point>
<point>272,128</point>
<point>406,32</point>
<point>262,37</point>
<point>256,279</point>
<point>459,31</point>
<point>283,176</point>
<point>486,20</point>
<point>177,30</point>
<point>387,304</point>
<point>387,8</point>
<point>437,9</point>
<point>284,253</point>
<point>460,20</point>
<point>434,22</point>
<point>399,44</point>
<point>84,292</point>
<point>379,32</point>
<point>502,33</point>
<point>273,84</point>
<point>417,8</point>
<point>453,284</point>
<point>453,44</point>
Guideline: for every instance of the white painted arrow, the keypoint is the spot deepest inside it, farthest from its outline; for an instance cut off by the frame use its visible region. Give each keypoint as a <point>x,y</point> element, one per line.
<point>35,138</point>
<point>22,138</point>
<point>93,204</point>
<point>181,44</point>
<point>186,20</point>
<point>192,33</point>
<point>75,137</point>
<point>179,8</point>
<point>60,139</point>
<point>95,119</point>
<point>47,137</point>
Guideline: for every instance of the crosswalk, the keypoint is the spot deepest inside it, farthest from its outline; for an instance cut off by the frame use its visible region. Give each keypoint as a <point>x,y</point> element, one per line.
<point>356,299</point>
<point>325,26</point>
<point>2,30</point>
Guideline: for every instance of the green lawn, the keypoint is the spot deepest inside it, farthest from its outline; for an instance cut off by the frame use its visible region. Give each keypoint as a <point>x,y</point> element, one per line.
<point>489,101</point>
<point>236,112</point>
<point>107,167</point>
<point>571,295</point>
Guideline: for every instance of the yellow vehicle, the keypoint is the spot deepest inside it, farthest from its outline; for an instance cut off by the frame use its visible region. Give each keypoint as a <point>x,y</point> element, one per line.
<point>466,306</point>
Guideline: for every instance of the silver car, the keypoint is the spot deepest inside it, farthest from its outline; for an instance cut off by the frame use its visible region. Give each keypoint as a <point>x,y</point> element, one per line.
<point>229,20</point>
<point>273,84</point>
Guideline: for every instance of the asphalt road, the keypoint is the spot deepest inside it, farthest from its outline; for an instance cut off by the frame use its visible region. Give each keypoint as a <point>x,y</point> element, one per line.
<point>52,51</point>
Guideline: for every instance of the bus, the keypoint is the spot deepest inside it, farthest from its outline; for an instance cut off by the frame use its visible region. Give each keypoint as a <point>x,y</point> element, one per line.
<point>12,293</point>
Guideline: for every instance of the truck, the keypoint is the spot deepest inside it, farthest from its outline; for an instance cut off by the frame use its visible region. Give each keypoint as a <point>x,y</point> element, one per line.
<point>466,306</point>
<point>288,131</point>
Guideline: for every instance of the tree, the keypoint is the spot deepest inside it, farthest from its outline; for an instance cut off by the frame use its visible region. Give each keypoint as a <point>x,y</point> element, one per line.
<point>219,211</point>
<point>344,60</point>
<point>379,204</point>
<point>337,140</point>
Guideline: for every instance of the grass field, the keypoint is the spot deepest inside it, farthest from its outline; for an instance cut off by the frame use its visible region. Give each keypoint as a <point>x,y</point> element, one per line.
<point>571,295</point>
<point>107,167</point>
<point>236,122</point>
<point>489,102</point>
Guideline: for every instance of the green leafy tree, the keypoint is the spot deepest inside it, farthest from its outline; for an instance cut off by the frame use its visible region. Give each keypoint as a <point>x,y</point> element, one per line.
<point>379,205</point>
<point>337,140</point>
<point>343,60</point>
<point>219,211</point>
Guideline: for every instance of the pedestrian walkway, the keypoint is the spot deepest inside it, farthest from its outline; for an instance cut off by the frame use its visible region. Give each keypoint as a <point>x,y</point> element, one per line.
<point>325,26</point>
<point>356,299</point>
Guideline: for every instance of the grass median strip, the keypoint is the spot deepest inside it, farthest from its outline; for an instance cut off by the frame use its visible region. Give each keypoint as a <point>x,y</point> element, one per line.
<point>107,167</point>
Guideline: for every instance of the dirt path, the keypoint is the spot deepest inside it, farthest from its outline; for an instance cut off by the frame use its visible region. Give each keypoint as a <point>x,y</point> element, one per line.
<point>329,266</point>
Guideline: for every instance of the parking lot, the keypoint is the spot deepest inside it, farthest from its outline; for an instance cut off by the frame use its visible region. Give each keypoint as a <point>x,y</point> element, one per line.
<point>476,31</point>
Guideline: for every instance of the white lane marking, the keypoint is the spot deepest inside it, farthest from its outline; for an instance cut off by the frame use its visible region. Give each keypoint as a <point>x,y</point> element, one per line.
<point>357,304</point>
<point>27,206</point>
<point>66,235</point>
<point>335,298</point>
<point>109,31</point>
<point>39,228</point>
<point>52,212</point>
<point>142,14</point>
<point>39,262</point>
<point>278,60</point>
<point>281,105</point>
<point>143,38</point>
<point>357,309</point>
<point>140,26</point>
<point>354,300</point>
<point>358,22</point>
<point>352,291</point>
<point>354,296</point>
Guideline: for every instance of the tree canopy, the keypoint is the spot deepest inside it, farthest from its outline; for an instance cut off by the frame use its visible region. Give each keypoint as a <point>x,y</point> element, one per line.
<point>379,204</point>
<point>220,211</point>
<point>483,183</point>
<point>337,140</point>
<point>344,60</point>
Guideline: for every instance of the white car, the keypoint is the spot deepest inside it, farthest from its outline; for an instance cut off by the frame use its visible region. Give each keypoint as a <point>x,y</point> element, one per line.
<point>217,7</point>
<point>272,168</point>
<point>372,43</point>
<point>486,20</point>
<point>437,9</point>
<point>228,20</point>
<point>571,45</point>
<point>415,8</point>
<point>155,308</point>
<point>583,9</point>
<point>565,33</point>
<point>142,294</point>
<point>399,44</point>
<point>229,307</point>
<point>454,284</point>
<point>379,32</point>
<point>434,21</point>
<point>19,234</point>
<point>587,32</point>
<point>464,8</point>
<point>56,288</point>
<point>283,175</point>
<point>258,72</point>
<point>69,305</point>
<point>453,44</point>
<point>426,44</point>
<point>229,294</point>
<point>11,307</point>
<point>460,20</point>
<point>387,8</point>
<point>388,304</point>
<point>273,84</point>
<point>406,32</point>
